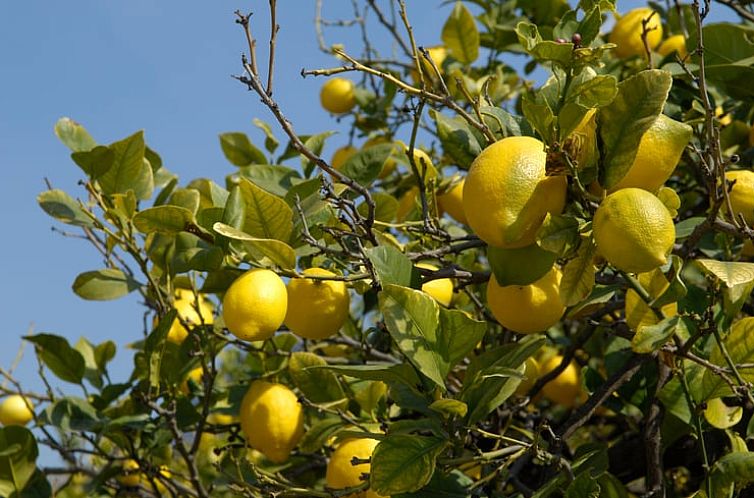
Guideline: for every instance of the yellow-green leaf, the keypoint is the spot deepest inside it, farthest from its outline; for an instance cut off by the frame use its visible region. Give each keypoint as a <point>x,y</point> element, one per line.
<point>730,273</point>
<point>739,344</point>
<point>278,252</point>
<point>722,416</point>
<point>578,275</point>
<point>461,35</point>
<point>404,463</point>
<point>166,219</point>
<point>267,215</point>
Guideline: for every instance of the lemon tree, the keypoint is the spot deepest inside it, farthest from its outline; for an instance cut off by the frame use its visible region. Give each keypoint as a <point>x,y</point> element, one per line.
<point>499,284</point>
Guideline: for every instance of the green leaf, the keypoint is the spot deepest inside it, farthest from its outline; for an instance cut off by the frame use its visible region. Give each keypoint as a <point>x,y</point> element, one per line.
<point>267,216</point>
<point>314,143</point>
<point>739,344</point>
<point>391,373</point>
<point>154,347</point>
<point>540,116</point>
<point>63,207</point>
<point>165,219</point>
<point>73,414</point>
<point>461,35</point>
<point>187,198</point>
<point>457,139</point>
<point>365,166</point>
<point>270,142</point>
<point>686,227</point>
<point>578,275</point>
<point>239,150</point>
<point>734,470</point>
<point>103,285</point>
<point>728,56</point>
<point>528,35</point>
<point>594,91</point>
<point>650,338</point>
<point>385,209</point>
<point>452,407</point>
<point>721,416</point>
<point>95,162</point>
<point>92,372</point>
<point>730,273</point>
<point>318,434</point>
<point>275,179</point>
<point>589,27</point>
<point>73,135</point>
<point>403,463</point>
<point>391,265</point>
<point>459,334</point>
<point>64,361</point>
<point>488,381</point>
<point>103,353</point>
<point>412,318</point>
<point>553,52</point>
<point>318,385</point>
<point>130,170</point>
<point>520,266</point>
<point>584,486</point>
<point>278,252</point>
<point>558,234</point>
<point>639,101</point>
<point>501,122</point>
<point>453,485</point>
<point>18,456</point>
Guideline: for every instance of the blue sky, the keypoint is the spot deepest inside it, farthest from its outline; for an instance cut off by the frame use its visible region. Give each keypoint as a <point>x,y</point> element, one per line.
<point>117,67</point>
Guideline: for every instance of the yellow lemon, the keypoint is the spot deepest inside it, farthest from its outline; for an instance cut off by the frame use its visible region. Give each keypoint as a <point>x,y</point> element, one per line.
<point>627,32</point>
<point>342,474</point>
<point>675,43</point>
<point>527,309</point>
<point>438,55</point>
<point>742,193</point>
<point>422,161</point>
<point>15,410</point>
<point>638,314</point>
<point>452,202</point>
<point>724,118</point>
<point>531,374</point>
<point>254,305</point>
<point>186,305</point>
<point>659,151</point>
<point>130,475</point>
<point>342,155</point>
<point>565,389</point>
<point>406,204</point>
<point>219,418</point>
<point>316,308</point>
<point>272,419</point>
<point>441,289</point>
<point>633,230</point>
<point>337,96</point>
<point>506,194</point>
<point>195,376</point>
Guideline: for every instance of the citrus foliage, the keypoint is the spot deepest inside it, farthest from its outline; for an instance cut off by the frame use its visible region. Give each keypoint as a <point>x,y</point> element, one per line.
<point>507,289</point>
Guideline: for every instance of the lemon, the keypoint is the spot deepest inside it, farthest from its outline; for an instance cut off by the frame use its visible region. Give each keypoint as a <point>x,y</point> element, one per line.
<point>219,418</point>
<point>195,376</point>
<point>186,305</point>
<point>742,193</point>
<point>440,289</point>
<point>342,155</point>
<point>131,475</point>
<point>406,204</point>
<point>627,32</point>
<point>272,419</point>
<point>507,194</point>
<point>15,410</point>
<point>337,96</point>
<point>438,55</point>
<point>316,308</point>
<point>633,230</point>
<point>659,151</point>
<point>527,308</point>
<point>638,314</point>
<point>422,161</point>
<point>565,389</point>
<point>342,474</point>
<point>531,374</point>
<point>254,305</point>
<point>724,118</point>
<point>452,202</point>
<point>675,43</point>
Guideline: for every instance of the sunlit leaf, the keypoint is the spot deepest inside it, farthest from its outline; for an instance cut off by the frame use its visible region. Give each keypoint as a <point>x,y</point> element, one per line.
<point>403,463</point>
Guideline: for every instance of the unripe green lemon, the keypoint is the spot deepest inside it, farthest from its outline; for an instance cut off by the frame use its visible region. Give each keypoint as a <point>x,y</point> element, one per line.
<point>272,419</point>
<point>659,151</point>
<point>15,410</point>
<point>742,193</point>
<point>316,308</point>
<point>627,32</point>
<point>565,389</point>
<point>342,474</point>
<point>337,96</point>
<point>633,230</point>
<point>507,194</point>
<point>440,289</point>
<point>255,304</point>
<point>527,309</point>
